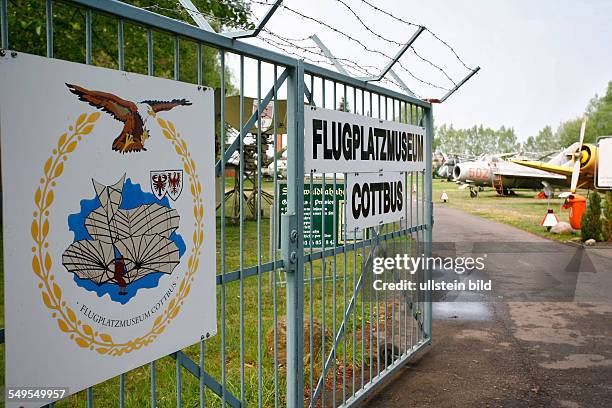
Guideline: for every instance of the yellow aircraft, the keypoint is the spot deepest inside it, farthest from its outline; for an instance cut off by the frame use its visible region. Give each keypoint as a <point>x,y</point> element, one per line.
<point>578,161</point>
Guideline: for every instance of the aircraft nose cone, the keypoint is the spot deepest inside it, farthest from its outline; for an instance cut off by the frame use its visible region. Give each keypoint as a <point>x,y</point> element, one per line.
<point>584,155</point>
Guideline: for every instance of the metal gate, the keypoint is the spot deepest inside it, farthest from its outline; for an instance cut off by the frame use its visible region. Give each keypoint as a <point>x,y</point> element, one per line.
<point>326,338</point>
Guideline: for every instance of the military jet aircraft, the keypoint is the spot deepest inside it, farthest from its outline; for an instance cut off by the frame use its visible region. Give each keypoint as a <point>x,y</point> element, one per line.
<point>445,171</point>
<point>504,176</point>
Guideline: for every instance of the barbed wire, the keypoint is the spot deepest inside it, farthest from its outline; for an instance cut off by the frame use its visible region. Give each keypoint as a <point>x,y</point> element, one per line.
<point>348,63</point>
<point>317,51</point>
<point>291,42</point>
<point>360,43</point>
<point>379,36</point>
<point>414,24</point>
<point>180,8</point>
<point>399,19</point>
<point>414,51</point>
<point>364,25</point>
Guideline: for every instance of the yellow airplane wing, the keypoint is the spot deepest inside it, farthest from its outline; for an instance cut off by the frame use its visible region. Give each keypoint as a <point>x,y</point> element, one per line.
<point>553,168</point>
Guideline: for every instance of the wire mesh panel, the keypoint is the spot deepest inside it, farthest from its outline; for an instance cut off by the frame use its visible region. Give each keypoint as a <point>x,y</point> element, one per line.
<point>323,338</point>
<point>356,335</point>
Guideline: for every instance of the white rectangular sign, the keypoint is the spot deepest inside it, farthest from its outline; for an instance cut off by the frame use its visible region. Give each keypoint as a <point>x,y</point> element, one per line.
<point>604,163</point>
<point>341,142</point>
<point>109,220</point>
<point>375,199</point>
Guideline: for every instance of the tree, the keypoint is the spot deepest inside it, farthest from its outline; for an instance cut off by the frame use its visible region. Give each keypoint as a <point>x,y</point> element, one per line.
<point>27,33</point>
<point>569,132</point>
<point>599,121</point>
<point>590,225</point>
<point>607,216</point>
<point>476,140</point>
<point>506,140</point>
<point>545,140</point>
<point>599,115</point>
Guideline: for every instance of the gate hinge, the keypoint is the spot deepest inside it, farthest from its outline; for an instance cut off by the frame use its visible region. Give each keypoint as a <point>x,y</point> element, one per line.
<point>289,241</point>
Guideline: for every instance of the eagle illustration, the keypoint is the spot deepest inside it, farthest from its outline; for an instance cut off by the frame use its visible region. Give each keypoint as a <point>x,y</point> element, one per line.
<point>133,115</point>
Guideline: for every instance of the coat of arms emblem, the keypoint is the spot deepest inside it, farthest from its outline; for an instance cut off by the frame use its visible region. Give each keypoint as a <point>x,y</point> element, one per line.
<point>167,182</point>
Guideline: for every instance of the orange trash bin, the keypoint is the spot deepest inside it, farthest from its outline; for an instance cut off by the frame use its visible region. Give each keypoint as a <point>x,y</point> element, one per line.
<point>577,207</point>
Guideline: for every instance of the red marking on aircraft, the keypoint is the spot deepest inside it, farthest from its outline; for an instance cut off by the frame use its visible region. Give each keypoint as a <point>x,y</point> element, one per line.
<point>478,173</point>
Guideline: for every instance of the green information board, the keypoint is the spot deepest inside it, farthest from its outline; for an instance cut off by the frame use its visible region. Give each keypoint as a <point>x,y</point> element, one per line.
<point>313,225</point>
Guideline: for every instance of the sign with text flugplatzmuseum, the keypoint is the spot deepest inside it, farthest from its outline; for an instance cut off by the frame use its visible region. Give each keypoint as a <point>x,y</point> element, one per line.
<point>109,245</point>
<point>342,142</point>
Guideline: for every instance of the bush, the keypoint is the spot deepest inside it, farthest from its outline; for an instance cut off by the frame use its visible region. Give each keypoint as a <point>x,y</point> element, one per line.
<point>590,226</point>
<point>607,221</point>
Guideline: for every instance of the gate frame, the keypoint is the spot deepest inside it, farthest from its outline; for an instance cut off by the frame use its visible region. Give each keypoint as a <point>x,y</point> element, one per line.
<point>292,250</point>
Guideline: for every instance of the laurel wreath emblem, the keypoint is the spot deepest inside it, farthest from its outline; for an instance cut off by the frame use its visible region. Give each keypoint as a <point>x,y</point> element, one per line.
<point>83,334</point>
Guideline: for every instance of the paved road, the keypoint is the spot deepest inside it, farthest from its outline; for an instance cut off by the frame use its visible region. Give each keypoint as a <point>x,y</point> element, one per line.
<point>542,337</point>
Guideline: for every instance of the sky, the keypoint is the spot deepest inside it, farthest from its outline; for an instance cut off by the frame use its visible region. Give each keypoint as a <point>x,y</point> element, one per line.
<point>541,61</point>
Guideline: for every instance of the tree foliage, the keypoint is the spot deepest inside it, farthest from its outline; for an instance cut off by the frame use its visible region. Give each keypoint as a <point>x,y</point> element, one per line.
<point>590,226</point>
<point>27,33</point>
<point>600,116</point>
<point>599,123</point>
<point>476,140</point>
<point>545,140</point>
<point>568,132</point>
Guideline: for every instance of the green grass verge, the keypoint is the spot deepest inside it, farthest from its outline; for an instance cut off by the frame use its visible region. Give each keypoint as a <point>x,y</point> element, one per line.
<point>522,210</point>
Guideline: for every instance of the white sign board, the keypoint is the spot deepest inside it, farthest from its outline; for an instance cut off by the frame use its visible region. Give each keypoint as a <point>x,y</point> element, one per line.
<point>375,199</point>
<point>341,142</point>
<point>109,220</point>
<point>604,163</point>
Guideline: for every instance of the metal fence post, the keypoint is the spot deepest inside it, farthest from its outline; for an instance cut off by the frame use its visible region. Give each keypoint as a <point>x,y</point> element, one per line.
<point>293,252</point>
<point>428,213</point>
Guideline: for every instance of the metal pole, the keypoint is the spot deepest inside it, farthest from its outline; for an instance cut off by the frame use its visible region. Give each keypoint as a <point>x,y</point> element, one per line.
<point>397,56</point>
<point>120,43</point>
<point>460,84</point>
<point>49,20</point>
<point>88,36</point>
<point>149,51</point>
<point>4,23</point>
<point>198,17</point>
<point>271,243</point>
<point>328,54</point>
<point>428,212</point>
<point>293,252</point>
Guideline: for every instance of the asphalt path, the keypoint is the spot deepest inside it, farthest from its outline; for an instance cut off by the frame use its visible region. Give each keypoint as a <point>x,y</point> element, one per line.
<point>541,337</point>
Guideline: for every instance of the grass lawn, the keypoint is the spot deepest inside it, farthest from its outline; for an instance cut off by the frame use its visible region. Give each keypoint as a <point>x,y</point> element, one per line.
<point>522,210</point>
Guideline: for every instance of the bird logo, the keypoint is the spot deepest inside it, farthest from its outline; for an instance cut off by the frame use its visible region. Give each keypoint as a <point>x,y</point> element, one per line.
<point>133,115</point>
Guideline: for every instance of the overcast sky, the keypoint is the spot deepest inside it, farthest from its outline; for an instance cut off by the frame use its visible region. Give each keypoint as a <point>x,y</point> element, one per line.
<point>541,61</point>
